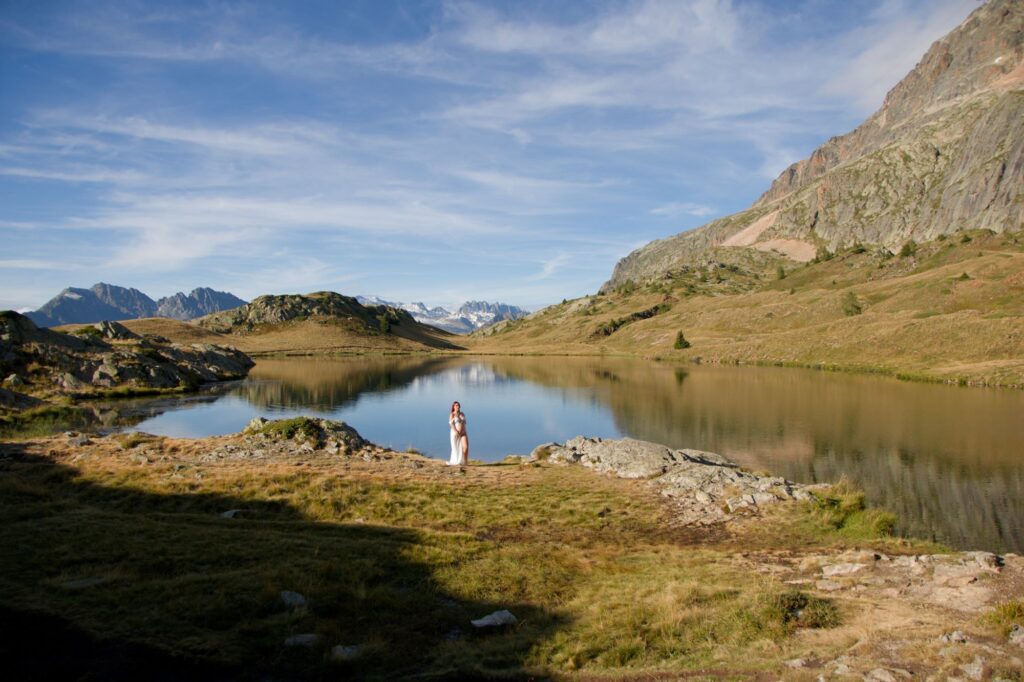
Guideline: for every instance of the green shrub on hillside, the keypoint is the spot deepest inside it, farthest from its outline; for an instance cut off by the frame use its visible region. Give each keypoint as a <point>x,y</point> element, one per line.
<point>681,341</point>
<point>780,272</point>
<point>909,249</point>
<point>851,306</point>
<point>626,288</point>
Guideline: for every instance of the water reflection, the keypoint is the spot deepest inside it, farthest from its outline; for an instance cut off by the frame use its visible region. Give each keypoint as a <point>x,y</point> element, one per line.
<point>946,460</point>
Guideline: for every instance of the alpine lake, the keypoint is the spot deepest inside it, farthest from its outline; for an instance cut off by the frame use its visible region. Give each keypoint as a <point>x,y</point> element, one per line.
<point>947,460</point>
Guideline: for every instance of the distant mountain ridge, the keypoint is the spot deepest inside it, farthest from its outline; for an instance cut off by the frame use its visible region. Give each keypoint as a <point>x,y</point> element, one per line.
<point>104,301</point>
<point>469,317</point>
<point>945,152</point>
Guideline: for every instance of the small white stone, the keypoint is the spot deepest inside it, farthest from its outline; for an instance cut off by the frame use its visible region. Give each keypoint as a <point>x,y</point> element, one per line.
<point>341,652</point>
<point>292,600</point>
<point>308,639</point>
<point>841,569</point>
<point>495,620</point>
<point>974,670</point>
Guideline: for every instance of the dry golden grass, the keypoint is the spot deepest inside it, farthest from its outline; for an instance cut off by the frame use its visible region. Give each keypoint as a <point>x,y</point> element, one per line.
<point>955,312</point>
<point>306,337</point>
<point>122,540</point>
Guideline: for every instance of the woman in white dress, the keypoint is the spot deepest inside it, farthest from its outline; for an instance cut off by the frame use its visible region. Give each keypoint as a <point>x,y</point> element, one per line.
<point>459,438</point>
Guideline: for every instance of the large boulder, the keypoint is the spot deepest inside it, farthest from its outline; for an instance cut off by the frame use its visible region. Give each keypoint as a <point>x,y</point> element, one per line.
<point>626,458</point>
<point>312,432</point>
<point>111,330</point>
<point>705,486</point>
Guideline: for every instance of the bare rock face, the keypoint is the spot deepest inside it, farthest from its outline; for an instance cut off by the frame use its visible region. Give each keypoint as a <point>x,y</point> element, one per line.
<point>706,487</point>
<point>945,152</point>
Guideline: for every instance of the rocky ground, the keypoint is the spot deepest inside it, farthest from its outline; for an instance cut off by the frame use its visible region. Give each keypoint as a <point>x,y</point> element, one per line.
<point>704,487</point>
<point>102,358</point>
<point>904,614</point>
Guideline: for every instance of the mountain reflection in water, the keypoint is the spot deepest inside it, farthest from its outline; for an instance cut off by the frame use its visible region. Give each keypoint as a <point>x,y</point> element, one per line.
<point>948,461</point>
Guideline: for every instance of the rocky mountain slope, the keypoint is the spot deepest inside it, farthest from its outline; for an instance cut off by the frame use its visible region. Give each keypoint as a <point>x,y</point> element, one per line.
<point>470,316</point>
<point>200,301</point>
<point>944,153</point>
<point>110,302</point>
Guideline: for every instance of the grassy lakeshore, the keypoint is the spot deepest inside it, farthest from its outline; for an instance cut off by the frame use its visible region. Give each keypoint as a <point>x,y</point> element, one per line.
<point>953,311</point>
<point>121,546</point>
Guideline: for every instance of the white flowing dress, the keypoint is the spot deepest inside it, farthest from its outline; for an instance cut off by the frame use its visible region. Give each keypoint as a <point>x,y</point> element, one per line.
<point>455,458</point>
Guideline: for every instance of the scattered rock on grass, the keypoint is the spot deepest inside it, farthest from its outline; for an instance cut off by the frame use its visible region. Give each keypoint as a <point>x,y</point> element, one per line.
<point>342,653</point>
<point>841,569</point>
<point>498,619</point>
<point>955,637</point>
<point>975,670</point>
<point>1017,635</point>
<point>308,639</point>
<point>230,513</point>
<point>78,439</point>
<point>292,600</point>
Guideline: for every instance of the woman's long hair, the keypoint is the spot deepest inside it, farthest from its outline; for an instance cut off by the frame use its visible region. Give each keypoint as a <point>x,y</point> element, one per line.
<point>454,403</point>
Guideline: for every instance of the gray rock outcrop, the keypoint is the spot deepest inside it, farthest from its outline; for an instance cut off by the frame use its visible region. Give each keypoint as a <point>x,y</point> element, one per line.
<point>706,487</point>
<point>108,355</point>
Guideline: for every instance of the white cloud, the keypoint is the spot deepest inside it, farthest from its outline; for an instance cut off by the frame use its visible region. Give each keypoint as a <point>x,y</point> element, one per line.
<point>550,267</point>
<point>677,208</point>
<point>25,264</point>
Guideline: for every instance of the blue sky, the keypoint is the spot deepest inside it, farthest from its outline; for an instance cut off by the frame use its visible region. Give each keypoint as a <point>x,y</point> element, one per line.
<point>432,151</point>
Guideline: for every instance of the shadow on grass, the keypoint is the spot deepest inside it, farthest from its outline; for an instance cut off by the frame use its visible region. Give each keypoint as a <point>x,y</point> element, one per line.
<point>114,582</point>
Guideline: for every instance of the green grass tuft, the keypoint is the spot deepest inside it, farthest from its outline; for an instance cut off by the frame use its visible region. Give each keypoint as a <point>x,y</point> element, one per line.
<point>1004,616</point>
<point>42,421</point>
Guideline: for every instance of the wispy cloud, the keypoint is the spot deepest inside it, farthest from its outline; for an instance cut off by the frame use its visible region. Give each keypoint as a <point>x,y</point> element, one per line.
<point>550,267</point>
<point>26,264</point>
<point>677,208</point>
<point>889,46</point>
<point>459,147</point>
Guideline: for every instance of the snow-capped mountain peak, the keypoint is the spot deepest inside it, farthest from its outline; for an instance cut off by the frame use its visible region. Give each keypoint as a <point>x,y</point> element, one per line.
<point>470,316</point>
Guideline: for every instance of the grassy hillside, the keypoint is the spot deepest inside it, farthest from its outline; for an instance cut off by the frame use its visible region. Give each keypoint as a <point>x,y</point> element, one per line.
<point>124,559</point>
<point>951,309</point>
<point>306,336</point>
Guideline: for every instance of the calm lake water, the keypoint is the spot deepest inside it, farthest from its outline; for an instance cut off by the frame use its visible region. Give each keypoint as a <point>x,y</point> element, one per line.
<point>949,461</point>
